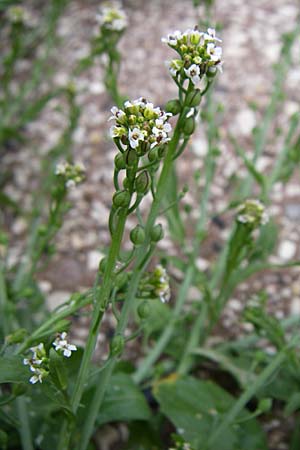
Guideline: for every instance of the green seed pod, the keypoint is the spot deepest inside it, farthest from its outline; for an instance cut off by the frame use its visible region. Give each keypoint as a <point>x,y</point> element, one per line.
<point>153,155</point>
<point>119,161</point>
<point>121,199</point>
<point>265,405</point>
<point>102,264</point>
<point>156,233</point>
<point>189,126</point>
<point>121,280</point>
<point>173,107</point>
<point>137,235</point>
<point>117,345</point>
<point>142,182</point>
<point>193,98</point>
<point>131,158</point>
<point>143,310</point>
<point>126,183</point>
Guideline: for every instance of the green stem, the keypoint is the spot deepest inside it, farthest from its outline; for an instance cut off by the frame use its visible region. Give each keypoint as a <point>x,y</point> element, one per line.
<point>99,310</point>
<point>245,397</point>
<point>4,312</point>
<point>140,264</point>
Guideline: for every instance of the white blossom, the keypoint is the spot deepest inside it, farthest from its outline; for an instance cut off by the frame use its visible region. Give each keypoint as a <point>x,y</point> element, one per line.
<point>172,38</point>
<point>135,136</point>
<point>112,17</point>
<point>214,52</point>
<point>62,344</point>
<point>193,72</point>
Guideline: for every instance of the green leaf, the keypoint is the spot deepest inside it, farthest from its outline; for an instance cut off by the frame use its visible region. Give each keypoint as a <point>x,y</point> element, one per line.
<point>12,370</point>
<point>196,407</point>
<point>123,401</point>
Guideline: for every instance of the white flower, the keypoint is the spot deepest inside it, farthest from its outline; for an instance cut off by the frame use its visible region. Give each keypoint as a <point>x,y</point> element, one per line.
<point>211,34</point>
<point>135,136</point>
<point>62,344</point>
<point>70,184</point>
<point>38,376</point>
<point>60,168</point>
<point>161,125</point>
<point>193,72</point>
<point>172,38</point>
<point>214,52</point>
<point>116,113</point>
<point>112,17</point>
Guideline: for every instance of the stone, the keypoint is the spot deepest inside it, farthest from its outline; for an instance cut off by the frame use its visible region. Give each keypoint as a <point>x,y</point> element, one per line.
<point>287,250</point>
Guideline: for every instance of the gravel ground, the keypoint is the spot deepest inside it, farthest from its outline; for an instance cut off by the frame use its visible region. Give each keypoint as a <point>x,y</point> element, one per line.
<point>251,41</point>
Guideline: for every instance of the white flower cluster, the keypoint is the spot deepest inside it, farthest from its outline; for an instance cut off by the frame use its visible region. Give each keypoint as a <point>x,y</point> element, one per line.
<point>61,345</point>
<point>73,174</point>
<point>112,17</point>
<point>199,54</point>
<point>37,363</point>
<point>161,282</point>
<point>140,124</point>
<point>18,14</point>
<point>252,212</point>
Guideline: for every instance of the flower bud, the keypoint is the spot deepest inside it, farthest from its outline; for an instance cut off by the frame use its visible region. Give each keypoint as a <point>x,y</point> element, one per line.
<point>142,182</point>
<point>173,107</point>
<point>117,345</point>
<point>156,233</point>
<point>131,158</point>
<point>193,98</point>
<point>137,235</point>
<point>189,126</point>
<point>143,310</point>
<point>121,199</point>
<point>119,161</point>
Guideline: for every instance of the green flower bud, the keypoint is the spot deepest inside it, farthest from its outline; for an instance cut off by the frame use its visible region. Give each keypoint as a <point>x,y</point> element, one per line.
<point>156,233</point>
<point>137,235</point>
<point>121,199</point>
<point>131,158</point>
<point>153,154</point>
<point>143,310</point>
<point>132,119</point>
<point>173,106</point>
<point>117,345</point>
<point>142,182</point>
<point>193,98</point>
<point>189,126</point>
<point>102,264</point>
<point>119,161</point>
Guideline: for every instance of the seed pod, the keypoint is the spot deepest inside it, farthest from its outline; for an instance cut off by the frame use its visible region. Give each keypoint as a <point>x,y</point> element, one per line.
<point>211,72</point>
<point>131,158</point>
<point>117,345</point>
<point>102,264</point>
<point>189,126</point>
<point>143,310</point>
<point>142,182</point>
<point>137,235</point>
<point>265,405</point>
<point>153,154</point>
<point>193,98</point>
<point>173,107</point>
<point>121,199</point>
<point>156,233</point>
<point>119,161</point>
